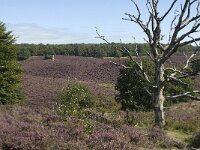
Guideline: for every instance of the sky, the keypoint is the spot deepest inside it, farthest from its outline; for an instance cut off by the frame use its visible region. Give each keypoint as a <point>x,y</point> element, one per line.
<point>72,21</point>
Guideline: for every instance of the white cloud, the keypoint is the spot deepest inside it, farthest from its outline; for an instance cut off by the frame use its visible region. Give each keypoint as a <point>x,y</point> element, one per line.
<point>33,33</point>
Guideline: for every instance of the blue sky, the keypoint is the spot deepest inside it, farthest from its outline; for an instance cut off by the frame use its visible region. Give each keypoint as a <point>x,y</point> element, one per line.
<point>71,21</point>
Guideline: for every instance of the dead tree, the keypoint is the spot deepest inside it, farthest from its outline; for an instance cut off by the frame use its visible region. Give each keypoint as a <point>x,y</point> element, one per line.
<point>185,23</point>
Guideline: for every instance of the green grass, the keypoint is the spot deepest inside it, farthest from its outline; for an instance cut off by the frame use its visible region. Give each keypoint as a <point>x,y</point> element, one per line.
<point>184,137</point>
<point>107,85</point>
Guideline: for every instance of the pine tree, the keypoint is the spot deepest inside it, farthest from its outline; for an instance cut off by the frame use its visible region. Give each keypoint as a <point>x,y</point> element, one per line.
<point>10,69</point>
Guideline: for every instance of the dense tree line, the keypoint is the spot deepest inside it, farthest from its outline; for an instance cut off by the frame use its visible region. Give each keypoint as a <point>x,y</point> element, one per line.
<point>86,50</point>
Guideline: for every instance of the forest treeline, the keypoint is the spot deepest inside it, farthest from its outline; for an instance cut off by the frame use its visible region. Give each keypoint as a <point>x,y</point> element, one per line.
<point>86,50</point>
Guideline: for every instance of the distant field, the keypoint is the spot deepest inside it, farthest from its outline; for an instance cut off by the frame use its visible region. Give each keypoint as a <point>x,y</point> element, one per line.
<point>69,67</point>
<point>43,77</point>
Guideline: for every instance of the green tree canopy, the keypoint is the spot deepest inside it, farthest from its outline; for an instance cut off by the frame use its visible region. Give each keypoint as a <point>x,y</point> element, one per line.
<point>134,93</point>
<point>10,70</point>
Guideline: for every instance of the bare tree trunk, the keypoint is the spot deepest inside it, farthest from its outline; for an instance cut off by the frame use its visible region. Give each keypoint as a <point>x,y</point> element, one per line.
<point>158,96</point>
<point>182,26</point>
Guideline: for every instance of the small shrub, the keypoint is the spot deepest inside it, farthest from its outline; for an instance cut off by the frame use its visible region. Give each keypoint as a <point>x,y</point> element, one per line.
<point>72,102</point>
<point>23,54</point>
<point>46,56</point>
<point>74,99</point>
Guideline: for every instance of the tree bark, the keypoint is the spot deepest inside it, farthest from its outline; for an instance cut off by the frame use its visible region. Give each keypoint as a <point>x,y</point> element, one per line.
<point>158,96</point>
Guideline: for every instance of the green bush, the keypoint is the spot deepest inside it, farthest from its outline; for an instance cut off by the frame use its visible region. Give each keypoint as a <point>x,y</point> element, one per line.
<point>10,69</point>
<point>132,93</point>
<point>74,99</point>
<point>195,65</point>
<point>173,88</point>
<point>46,56</point>
<point>23,54</point>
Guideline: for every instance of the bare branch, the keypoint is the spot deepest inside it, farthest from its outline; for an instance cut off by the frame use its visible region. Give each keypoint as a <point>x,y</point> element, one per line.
<point>141,72</point>
<point>126,67</point>
<point>150,56</point>
<point>137,20</point>
<point>187,94</point>
<point>138,56</point>
<point>172,78</point>
<point>174,70</point>
<point>191,56</point>
<point>172,64</point>
<point>177,28</point>
<point>138,10</point>
<point>170,8</point>
<point>148,91</point>
<point>188,75</point>
<point>175,41</point>
<point>188,60</point>
<point>150,16</point>
<point>172,49</point>
<point>189,42</point>
<point>140,23</point>
<point>171,26</point>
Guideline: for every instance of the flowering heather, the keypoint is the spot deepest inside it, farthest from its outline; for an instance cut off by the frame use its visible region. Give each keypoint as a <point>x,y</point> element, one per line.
<point>116,137</point>
<point>15,134</point>
<point>35,124</point>
<point>184,117</point>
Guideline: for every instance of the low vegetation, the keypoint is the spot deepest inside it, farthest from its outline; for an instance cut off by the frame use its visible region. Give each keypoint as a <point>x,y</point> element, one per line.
<point>84,114</point>
<point>88,112</point>
<point>38,124</point>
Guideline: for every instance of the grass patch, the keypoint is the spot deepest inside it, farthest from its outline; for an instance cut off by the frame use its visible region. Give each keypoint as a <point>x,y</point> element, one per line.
<point>107,85</point>
<point>107,104</point>
<point>184,118</point>
<point>184,137</point>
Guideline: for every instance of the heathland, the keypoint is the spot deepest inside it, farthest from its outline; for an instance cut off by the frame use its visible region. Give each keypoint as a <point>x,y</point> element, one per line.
<point>37,124</point>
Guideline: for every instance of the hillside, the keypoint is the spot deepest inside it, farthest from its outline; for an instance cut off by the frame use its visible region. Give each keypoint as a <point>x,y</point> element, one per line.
<point>35,124</point>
